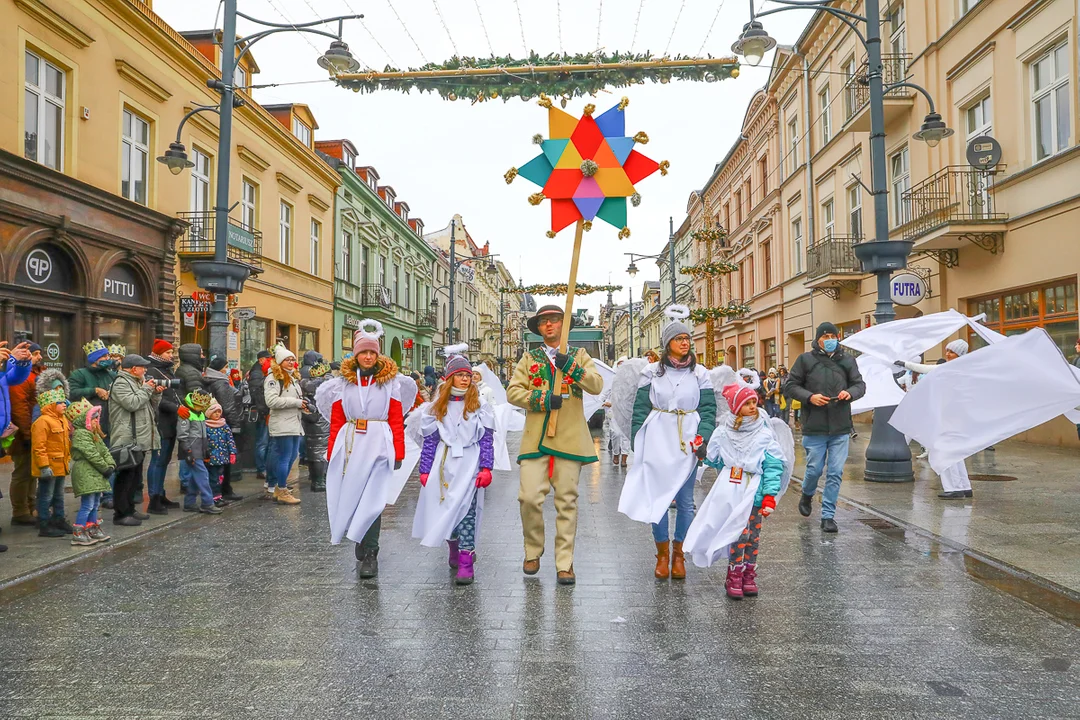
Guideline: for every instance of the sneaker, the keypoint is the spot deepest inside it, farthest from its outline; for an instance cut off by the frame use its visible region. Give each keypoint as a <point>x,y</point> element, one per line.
<point>47,529</point>
<point>79,536</point>
<point>24,520</point>
<point>3,548</point>
<point>128,521</point>
<point>829,525</point>
<point>191,508</point>
<point>922,456</point>
<point>107,504</point>
<point>140,515</point>
<point>232,497</point>
<point>96,533</point>
<point>60,523</point>
<point>261,475</point>
<point>211,510</point>
<point>283,497</point>
<point>805,505</point>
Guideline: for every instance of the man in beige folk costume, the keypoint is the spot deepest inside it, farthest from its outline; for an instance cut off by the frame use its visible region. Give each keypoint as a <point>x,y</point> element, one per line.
<point>552,462</point>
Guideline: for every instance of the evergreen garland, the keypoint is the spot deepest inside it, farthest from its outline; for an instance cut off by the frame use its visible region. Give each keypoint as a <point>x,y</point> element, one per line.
<point>731,310</point>
<point>560,289</point>
<point>710,269</point>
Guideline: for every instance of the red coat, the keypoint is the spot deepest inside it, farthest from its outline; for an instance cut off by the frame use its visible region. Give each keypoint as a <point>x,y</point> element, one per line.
<point>23,400</point>
<point>395,418</point>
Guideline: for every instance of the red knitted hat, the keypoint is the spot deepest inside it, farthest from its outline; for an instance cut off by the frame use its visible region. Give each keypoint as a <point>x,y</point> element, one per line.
<point>737,396</point>
<point>161,346</point>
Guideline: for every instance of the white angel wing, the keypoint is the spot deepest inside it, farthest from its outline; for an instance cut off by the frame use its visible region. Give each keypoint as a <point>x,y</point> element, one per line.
<point>786,440</point>
<point>623,391</point>
<point>327,394</point>
<point>492,381</point>
<point>412,425</point>
<point>722,376</point>
<point>592,402</point>
<point>405,392</point>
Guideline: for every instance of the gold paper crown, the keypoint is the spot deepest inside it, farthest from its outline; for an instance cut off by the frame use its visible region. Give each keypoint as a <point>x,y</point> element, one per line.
<point>51,397</point>
<point>117,350</point>
<point>319,370</point>
<point>76,409</point>
<point>200,399</point>
<point>93,346</point>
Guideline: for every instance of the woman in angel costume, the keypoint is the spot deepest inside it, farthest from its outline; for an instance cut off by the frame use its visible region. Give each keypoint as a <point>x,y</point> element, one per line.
<point>674,407</point>
<point>753,456</point>
<point>617,443</point>
<point>367,442</point>
<point>458,429</point>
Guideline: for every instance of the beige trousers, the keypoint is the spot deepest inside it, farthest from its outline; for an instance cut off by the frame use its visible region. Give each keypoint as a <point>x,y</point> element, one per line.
<point>535,485</point>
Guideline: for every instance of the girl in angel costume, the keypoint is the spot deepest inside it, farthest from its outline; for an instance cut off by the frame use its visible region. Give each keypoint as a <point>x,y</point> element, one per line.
<point>458,428</point>
<point>753,456</point>
<point>674,407</point>
<point>367,442</point>
<point>616,441</point>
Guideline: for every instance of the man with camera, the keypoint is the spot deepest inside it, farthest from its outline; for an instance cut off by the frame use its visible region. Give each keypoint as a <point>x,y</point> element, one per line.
<point>133,411</point>
<point>170,405</point>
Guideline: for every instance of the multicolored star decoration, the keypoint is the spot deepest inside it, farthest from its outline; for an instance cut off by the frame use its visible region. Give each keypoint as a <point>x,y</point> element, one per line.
<point>588,167</point>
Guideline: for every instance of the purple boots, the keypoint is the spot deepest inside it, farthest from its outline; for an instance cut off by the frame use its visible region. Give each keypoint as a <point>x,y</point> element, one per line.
<point>749,581</point>
<point>734,584</point>
<point>464,568</point>
<point>453,560</point>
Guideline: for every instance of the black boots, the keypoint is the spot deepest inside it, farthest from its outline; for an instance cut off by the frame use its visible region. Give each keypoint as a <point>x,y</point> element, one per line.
<point>804,505</point>
<point>829,525</point>
<point>317,473</point>
<point>48,529</point>
<point>156,506</point>
<point>369,561</point>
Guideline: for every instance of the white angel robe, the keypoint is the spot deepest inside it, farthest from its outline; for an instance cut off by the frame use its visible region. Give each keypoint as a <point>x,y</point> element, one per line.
<point>661,465</point>
<point>720,520</point>
<point>445,500</point>
<point>359,477</point>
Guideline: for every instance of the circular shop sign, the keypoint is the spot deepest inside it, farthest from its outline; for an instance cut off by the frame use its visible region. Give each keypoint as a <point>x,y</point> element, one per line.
<point>983,152</point>
<point>53,351</point>
<point>907,289</point>
<point>39,266</point>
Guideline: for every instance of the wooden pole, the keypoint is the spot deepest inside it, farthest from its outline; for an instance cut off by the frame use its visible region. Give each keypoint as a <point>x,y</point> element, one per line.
<point>571,289</point>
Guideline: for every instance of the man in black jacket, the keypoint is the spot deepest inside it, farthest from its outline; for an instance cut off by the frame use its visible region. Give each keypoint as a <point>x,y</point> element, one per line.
<point>825,380</point>
<point>161,368</point>
<point>190,371</point>
<point>259,410</point>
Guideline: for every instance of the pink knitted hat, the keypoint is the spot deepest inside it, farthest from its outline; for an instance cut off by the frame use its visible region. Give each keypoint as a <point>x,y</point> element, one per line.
<point>737,395</point>
<point>367,337</point>
<point>91,414</point>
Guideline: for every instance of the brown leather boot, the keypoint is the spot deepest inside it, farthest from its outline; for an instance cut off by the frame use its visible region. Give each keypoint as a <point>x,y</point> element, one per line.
<point>663,561</point>
<point>678,566</point>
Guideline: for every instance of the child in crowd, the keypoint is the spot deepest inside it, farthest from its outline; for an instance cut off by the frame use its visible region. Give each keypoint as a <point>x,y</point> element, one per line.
<point>750,467</point>
<point>191,438</point>
<point>459,431</point>
<point>221,449</point>
<point>92,463</point>
<point>316,427</point>
<point>50,447</point>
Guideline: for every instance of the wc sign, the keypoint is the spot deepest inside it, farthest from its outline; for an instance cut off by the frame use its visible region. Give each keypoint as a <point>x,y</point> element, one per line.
<point>907,289</point>
<point>39,266</point>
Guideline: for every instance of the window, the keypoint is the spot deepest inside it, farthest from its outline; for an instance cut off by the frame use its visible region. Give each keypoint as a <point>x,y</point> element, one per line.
<point>738,208</point>
<point>200,200</point>
<point>749,193</point>
<point>346,256</point>
<point>1050,101</point>
<point>828,218</point>
<point>797,245</point>
<point>727,217</point>
<point>44,96</point>
<point>316,232</point>
<point>134,155</point>
<point>854,195</point>
<point>397,284</point>
<point>768,354</point>
<point>249,195</point>
<point>901,183</point>
<point>301,131</point>
<point>849,88</point>
<point>240,79</point>
<point>895,18</point>
<point>766,259</point>
<point>363,264</point>
<point>748,355</point>
<point>967,5</point>
<point>382,271</point>
<point>309,339</point>
<point>793,141</point>
<point>826,115</point>
<point>348,158</point>
<point>763,168</point>
<point>979,118</point>
<point>847,330</point>
<point>408,291</point>
<point>1051,306</point>
<point>748,277</point>
<point>254,337</point>
<point>285,233</point>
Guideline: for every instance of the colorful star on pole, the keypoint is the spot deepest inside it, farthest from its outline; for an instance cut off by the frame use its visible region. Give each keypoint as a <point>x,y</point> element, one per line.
<point>588,167</point>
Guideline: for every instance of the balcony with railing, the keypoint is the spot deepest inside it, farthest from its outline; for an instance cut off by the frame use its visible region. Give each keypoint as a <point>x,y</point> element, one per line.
<point>425,320</point>
<point>474,344</point>
<point>197,242</point>
<point>898,102</point>
<point>831,265</point>
<point>953,207</point>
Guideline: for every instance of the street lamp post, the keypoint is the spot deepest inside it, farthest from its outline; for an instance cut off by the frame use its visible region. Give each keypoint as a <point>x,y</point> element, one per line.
<point>888,457</point>
<point>220,276</point>
<point>632,269</point>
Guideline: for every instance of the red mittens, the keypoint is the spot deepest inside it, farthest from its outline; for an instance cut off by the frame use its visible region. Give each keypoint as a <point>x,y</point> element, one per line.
<point>183,413</point>
<point>423,479</point>
<point>232,459</point>
<point>768,504</point>
<point>483,478</point>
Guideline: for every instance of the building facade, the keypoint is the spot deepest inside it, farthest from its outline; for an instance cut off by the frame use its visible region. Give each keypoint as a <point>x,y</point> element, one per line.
<point>652,317</point>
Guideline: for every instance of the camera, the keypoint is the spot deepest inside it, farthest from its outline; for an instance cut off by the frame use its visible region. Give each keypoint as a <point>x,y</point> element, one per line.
<point>173,384</point>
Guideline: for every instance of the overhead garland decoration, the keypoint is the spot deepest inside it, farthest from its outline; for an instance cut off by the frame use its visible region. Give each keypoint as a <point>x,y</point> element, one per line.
<point>731,310</point>
<point>560,289</point>
<point>565,76</point>
<point>709,269</point>
<point>709,234</point>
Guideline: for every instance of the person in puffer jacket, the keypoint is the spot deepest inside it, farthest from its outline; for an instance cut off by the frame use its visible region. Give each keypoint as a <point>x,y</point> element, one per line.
<point>227,395</point>
<point>286,402</point>
<point>194,452</point>
<point>190,370</point>
<point>316,427</point>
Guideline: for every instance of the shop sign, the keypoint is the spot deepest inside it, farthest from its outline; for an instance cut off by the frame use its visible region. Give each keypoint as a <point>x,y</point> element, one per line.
<point>53,352</point>
<point>907,289</point>
<point>120,285</point>
<point>408,344</point>
<point>244,313</point>
<point>191,305</point>
<point>241,239</point>
<point>44,267</point>
<point>351,322</point>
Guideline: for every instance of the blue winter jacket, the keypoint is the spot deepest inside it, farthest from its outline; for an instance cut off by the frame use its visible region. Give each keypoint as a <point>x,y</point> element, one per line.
<point>15,372</point>
<point>772,476</point>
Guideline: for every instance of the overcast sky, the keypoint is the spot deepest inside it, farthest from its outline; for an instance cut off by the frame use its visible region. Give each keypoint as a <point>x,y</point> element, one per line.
<point>449,157</point>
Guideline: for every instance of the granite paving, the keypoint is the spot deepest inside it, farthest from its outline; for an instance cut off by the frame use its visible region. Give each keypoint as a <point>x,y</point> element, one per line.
<point>255,614</point>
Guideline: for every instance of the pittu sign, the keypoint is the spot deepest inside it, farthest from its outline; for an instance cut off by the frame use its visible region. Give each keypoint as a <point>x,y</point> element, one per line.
<point>907,289</point>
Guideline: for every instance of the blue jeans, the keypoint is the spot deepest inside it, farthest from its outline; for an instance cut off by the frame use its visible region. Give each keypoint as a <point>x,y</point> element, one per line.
<point>819,449</point>
<point>280,459</point>
<point>159,465</point>
<point>50,493</point>
<point>262,445</point>
<point>198,484</point>
<point>88,509</point>
<point>684,512</point>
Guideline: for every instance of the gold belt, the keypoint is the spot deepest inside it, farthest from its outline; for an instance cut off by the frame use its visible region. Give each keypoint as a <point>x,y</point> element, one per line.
<point>679,414</point>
